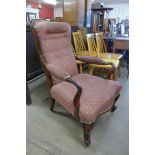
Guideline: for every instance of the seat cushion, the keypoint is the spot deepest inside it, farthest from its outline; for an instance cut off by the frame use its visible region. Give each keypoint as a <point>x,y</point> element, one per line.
<point>97,96</point>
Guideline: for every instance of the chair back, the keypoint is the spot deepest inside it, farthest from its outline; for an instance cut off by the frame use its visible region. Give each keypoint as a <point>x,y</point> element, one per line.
<point>80,48</point>
<point>91,44</point>
<point>101,47</point>
<point>53,40</point>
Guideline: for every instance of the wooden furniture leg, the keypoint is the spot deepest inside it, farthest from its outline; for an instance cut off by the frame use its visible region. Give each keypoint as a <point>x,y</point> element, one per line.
<point>91,70</point>
<point>80,68</point>
<point>119,70</point>
<point>52,104</point>
<point>87,128</point>
<point>28,97</point>
<point>114,107</point>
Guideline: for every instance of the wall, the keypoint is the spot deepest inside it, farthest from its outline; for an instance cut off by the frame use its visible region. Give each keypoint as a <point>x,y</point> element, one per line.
<point>121,10</point>
<point>45,12</point>
<point>58,12</point>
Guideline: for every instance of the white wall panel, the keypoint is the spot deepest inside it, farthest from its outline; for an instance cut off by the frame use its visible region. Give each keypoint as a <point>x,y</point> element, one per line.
<point>121,10</point>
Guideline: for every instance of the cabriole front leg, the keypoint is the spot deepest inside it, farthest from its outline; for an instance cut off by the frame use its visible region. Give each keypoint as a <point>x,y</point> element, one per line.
<point>114,107</point>
<point>87,128</point>
<point>52,104</point>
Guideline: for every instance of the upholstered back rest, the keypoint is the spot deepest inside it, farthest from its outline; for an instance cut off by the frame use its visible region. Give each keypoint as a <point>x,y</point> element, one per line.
<point>55,45</point>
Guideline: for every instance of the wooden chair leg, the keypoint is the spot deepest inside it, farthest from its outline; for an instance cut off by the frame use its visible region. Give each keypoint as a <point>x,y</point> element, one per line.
<point>119,70</point>
<point>80,68</point>
<point>113,76</point>
<point>91,70</point>
<point>114,107</point>
<point>52,104</point>
<point>87,128</point>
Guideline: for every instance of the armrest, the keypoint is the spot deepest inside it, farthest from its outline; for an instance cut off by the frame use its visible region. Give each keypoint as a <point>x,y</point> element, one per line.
<point>63,75</point>
<point>94,60</point>
<point>77,96</point>
<point>98,61</point>
<point>58,71</point>
<point>89,59</point>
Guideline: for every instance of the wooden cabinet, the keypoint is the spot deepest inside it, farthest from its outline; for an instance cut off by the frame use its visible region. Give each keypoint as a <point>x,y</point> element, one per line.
<point>97,18</point>
<point>33,66</point>
<point>71,12</point>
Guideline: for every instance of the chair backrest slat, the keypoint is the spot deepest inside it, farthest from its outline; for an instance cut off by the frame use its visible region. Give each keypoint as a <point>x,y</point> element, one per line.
<point>78,42</point>
<point>91,45</point>
<point>101,47</point>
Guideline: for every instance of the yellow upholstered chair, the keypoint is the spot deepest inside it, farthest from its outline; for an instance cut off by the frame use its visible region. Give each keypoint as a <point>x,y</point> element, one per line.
<point>92,48</point>
<point>102,50</point>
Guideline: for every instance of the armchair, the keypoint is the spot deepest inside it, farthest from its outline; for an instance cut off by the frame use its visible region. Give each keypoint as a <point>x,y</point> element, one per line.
<point>84,96</point>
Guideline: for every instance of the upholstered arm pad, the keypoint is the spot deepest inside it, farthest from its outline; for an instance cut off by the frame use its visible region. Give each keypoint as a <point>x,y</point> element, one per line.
<point>94,60</point>
<point>63,75</point>
<point>89,59</point>
<point>58,72</point>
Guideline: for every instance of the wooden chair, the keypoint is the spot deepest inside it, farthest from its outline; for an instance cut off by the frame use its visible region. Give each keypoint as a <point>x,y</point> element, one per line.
<point>80,49</point>
<point>84,96</point>
<point>102,50</point>
<point>92,48</point>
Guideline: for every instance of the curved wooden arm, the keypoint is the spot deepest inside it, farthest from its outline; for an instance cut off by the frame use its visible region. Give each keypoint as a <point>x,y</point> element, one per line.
<point>76,100</point>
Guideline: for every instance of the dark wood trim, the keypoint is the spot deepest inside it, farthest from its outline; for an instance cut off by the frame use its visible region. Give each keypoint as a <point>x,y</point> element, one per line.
<point>52,104</point>
<point>114,107</point>
<point>76,100</point>
<point>85,13</point>
<point>101,9</point>
<point>87,128</point>
<point>28,96</point>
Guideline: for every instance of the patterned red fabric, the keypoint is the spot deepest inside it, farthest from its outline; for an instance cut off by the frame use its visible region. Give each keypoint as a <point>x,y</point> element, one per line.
<point>97,95</point>
<point>55,45</point>
<point>58,72</point>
